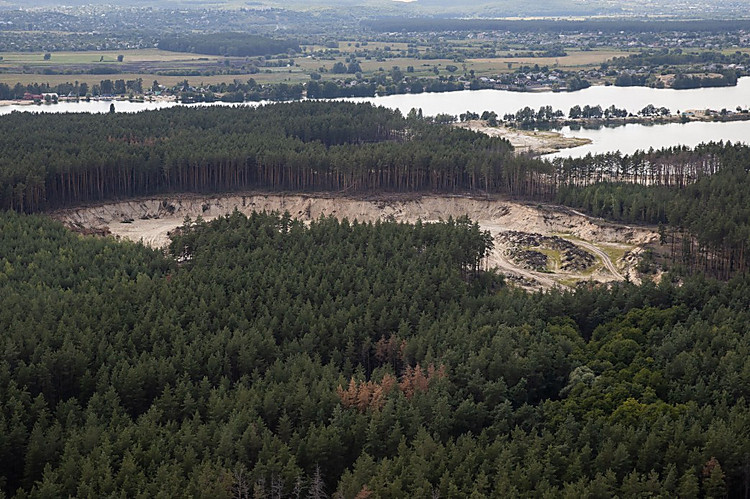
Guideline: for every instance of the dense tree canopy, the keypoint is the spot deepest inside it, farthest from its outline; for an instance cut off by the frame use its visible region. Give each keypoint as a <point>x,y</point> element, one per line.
<point>286,360</point>
<point>51,160</point>
<point>262,356</point>
<point>702,194</point>
<point>228,44</point>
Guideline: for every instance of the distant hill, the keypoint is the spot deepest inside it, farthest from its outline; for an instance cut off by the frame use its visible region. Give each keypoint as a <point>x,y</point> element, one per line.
<point>395,24</point>
<point>458,8</point>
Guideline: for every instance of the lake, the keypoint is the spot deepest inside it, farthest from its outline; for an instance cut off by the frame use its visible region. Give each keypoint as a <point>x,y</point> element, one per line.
<point>629,138</point>
<point>94,106</point>
<point>631,98</point>
<point>625,138</point>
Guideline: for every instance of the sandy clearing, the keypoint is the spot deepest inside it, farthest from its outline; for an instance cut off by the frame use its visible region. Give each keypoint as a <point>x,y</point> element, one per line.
<point>604,258</point>
<point>151,219</point>
<point>498,260</point>
<point>528,141</point>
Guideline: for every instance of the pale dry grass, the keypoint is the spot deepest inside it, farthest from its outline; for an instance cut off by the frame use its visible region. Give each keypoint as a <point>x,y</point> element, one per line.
<point>94,56</point>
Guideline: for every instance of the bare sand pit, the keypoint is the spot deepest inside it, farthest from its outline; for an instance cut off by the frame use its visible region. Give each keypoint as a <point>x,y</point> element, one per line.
<point>528,141</point>
<point>150,221</point>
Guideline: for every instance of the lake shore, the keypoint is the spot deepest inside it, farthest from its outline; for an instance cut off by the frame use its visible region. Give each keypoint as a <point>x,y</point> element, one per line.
<point>535,142</point>
<point>73,100</point>
<point>541,142</point>
<point>688,116</point>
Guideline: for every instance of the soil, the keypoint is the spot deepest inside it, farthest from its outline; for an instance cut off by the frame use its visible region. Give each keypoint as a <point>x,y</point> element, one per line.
<point>572,257</point>
<point>530,259</point>
<point>151,219</point>
<point>528,141</point>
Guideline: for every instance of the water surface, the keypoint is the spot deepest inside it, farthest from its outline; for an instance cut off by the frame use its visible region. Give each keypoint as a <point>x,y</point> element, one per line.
<point>626,138</point>
<point>629,138</point>
<point>631,98</point>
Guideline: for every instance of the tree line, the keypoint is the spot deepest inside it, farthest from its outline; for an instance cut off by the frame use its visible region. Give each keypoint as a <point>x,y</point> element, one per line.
<point>404,24</point>
<point>227,44</point>
<point>52,160</point>
<point>677,57</point>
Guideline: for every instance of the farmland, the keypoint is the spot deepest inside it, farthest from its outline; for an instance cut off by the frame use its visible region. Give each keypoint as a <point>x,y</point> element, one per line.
<point>171,68</point>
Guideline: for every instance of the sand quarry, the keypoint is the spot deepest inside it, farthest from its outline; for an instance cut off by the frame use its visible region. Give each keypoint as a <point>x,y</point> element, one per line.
<point>615,248</point>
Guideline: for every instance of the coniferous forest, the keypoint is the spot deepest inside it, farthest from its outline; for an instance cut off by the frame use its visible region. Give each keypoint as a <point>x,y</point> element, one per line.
<point>227,44</point>
<point>267,358</point>
<point>263,357</point>
<point>50,161</point>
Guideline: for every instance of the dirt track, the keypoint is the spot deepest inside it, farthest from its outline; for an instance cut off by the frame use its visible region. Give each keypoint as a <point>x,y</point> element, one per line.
<point>604,258</point>
<point>149,220</point>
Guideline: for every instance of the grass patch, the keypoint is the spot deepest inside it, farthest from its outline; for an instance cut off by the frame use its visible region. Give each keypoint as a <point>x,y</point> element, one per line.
<point>554,258</point>
<point>94,56</point>
<point>569,281</point>
<point>614,253</point>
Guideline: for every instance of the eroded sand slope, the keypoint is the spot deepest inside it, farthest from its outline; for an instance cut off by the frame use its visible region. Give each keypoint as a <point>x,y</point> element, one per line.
<point>150,220</point>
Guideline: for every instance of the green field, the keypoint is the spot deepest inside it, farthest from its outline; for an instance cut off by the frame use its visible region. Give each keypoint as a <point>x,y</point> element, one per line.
<point>28,67</point>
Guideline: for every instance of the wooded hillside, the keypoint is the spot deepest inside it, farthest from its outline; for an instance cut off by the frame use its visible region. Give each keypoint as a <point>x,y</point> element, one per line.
<point>52,160</point>
<point>279,360</point>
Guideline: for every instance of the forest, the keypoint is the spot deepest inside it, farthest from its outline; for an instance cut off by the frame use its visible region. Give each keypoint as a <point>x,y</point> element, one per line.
<point>49,161</point>
<point>261,357</point>
<point>700,195</point>
<point>53,160</point>
<point>415,24</point>
<point>227,44</point>
<point>675,57</point>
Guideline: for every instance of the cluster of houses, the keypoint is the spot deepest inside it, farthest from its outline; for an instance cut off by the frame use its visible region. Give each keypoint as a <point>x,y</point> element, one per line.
<point>46,97</point>
<point>537,80</point>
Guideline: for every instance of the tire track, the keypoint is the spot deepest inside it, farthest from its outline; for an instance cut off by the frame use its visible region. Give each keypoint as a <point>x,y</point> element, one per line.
<point>605,258</point>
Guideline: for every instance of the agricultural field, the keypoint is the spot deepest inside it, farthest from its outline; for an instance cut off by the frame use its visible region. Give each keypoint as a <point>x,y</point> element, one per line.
<point>96,56</point>
<point>171,68</point>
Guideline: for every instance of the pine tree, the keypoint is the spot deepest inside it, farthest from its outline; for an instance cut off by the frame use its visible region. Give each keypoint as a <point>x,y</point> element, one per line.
<point>317,485</point>
<point>714,483</point>
<point>688,487</point>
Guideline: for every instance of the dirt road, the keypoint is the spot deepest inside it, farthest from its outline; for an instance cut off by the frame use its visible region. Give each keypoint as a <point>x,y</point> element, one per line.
<point>604,258</point>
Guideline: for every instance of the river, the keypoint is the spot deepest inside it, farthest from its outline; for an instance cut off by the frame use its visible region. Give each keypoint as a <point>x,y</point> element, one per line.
<point>624,138</point>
